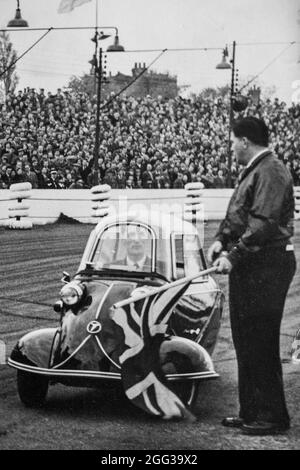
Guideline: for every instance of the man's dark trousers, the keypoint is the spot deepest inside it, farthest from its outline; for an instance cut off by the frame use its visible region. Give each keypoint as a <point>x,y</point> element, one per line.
<point>257,290</point>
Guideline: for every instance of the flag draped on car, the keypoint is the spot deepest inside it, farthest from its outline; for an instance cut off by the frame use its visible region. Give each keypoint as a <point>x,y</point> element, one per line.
<point>66,6</point>
<point>144,323</point>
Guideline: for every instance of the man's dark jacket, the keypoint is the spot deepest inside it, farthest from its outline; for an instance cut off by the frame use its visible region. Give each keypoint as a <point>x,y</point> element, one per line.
<point>261,210</point>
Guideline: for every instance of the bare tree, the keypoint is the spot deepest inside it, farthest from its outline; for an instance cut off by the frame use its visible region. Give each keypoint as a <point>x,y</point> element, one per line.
<point>83,84</point>
<point>7,57</point>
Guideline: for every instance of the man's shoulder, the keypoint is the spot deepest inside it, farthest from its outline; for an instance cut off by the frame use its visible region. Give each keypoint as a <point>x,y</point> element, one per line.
<point>271,165</point>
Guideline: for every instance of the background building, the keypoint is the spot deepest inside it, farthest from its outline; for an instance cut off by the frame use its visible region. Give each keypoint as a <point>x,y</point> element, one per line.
<point>149,83</point>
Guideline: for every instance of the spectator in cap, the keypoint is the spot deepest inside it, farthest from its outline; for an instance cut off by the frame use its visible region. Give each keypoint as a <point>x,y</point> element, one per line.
<point>53,180</point>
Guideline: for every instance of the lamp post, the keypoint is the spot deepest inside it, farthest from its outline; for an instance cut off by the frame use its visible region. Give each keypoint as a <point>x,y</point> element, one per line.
<point>224,65</point>
<point>231,115</point>
<point>237,102</point>
<point>98,75</point>
<point>18,21</point>
<point>97,63</point>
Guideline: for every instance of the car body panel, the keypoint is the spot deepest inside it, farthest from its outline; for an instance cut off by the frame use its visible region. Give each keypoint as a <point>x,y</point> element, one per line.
<point>73,350</point>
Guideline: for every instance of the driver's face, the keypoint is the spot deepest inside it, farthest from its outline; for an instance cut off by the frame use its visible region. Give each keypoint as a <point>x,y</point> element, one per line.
<point>136,243</point>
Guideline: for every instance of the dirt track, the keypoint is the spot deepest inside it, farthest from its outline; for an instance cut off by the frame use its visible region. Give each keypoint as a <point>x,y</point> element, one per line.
<point>31,266</point>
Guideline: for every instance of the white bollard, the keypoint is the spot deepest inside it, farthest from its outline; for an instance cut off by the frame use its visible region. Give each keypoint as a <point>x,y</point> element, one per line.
<point>193,204</point>
<point>297,202</point>
<point>194,208</point>
<point>18,211</point>
<point>295,350</point>
<point>2,352</point>
<point>100,196</point>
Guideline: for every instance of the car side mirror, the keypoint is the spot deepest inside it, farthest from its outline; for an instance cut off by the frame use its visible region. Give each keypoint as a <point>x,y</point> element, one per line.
<point>66,278</point>
<point>89,265</point>
<point>58,307</point>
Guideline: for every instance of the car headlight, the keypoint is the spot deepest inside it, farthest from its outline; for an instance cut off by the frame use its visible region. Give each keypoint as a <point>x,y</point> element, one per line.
<point>71,293</point>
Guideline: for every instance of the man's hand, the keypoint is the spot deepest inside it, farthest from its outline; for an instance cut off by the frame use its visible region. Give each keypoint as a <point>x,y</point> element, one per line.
<point>214,251</point>
<point>223,265</point>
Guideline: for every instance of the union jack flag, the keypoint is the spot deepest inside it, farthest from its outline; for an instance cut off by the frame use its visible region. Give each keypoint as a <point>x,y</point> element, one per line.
<point>144,323</point>
<point>66,6</point>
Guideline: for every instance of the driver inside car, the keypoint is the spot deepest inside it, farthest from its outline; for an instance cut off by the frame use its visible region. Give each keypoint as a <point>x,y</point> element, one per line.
<point>137,249</point>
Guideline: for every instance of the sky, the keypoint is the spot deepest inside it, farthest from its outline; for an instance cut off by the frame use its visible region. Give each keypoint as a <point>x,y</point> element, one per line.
<point>160,24</point>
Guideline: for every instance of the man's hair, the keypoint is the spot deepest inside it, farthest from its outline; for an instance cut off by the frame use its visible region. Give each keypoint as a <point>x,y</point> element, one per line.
<point>253,128</point>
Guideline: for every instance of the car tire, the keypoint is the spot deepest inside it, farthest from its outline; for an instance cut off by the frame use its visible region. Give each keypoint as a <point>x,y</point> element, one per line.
<point>32,388</point>
<point>187,391</point>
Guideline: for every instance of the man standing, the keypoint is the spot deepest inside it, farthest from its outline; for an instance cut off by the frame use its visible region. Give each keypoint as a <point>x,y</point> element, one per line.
<point>147,177</point>
<point>253,245</point>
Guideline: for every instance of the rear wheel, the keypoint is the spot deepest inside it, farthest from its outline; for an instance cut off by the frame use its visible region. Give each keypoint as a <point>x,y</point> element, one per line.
<point>187,391</point>
<point>32,388</point>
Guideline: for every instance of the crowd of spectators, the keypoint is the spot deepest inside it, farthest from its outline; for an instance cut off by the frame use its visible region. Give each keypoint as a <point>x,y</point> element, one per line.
<point>48,140</point>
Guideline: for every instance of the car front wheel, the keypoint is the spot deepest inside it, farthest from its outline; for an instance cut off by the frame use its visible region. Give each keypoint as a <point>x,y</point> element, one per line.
<point>187,391</point>
<point>32,388</point>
